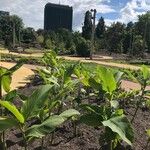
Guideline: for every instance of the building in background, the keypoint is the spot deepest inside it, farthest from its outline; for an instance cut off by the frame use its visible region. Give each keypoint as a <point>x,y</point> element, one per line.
<point>57,16</point>
<point>4,13</point>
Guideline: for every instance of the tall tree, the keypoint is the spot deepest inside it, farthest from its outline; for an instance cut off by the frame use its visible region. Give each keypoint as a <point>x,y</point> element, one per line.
<point>114,37</point>
<point>7,24</point>
<point>100,29</point>
<point>87,27</point>
<point>128,37</point>
<point>143,28</point>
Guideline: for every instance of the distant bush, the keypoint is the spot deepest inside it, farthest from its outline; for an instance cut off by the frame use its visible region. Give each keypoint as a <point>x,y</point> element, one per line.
<point>83,48</point>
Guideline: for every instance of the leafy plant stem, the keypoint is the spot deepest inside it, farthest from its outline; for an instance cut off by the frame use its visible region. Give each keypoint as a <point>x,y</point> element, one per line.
<point>24,138</point>
<point>138,103</point>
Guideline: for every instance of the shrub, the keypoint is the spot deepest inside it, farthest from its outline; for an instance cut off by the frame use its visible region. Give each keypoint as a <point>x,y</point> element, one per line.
<point>83,48</point>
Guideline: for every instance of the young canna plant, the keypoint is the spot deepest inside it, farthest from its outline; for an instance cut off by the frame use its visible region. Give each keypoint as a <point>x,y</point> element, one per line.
<point>143,79</point>
<point>116,125</point>
<point>5,81</point>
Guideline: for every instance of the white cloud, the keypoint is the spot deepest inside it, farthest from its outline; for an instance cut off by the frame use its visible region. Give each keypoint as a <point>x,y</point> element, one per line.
<point>32,11</point>
<point>131,11</point>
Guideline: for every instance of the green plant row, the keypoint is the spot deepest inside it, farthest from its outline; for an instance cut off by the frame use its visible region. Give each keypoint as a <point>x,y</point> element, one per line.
<point>76,85</point>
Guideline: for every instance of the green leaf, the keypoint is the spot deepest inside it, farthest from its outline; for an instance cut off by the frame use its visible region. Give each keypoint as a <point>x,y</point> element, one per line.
<point>69,113</point>
<point>35,102</point>
<point>12,108</point>
<point>148,132</point>
<point>11,95</point>
<point>5,82</point>
<point>122,126</point>
<point>17,66</point>
<point>94,84</point>
<point>92,119</point>
<point>46,127</point>
<point>108,81</point>
<point>145,72</point>
<point>7,123</point>
<point>114,104</point>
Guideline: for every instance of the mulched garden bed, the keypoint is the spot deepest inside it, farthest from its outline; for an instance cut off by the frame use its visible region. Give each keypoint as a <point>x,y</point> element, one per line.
<point>87,137</point>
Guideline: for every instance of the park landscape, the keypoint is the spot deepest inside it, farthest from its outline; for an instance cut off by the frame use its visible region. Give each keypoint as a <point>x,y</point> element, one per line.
<point>60,90</point>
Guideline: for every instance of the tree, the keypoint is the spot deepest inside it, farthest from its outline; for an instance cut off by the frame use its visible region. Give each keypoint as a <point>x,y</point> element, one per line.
<point>128,37</point>
<point>28,35</point>
<point>87,27</point>
<point>100,29</point>
<point>7,25</point>
<point>114,37</point>
<point>83,47</point>
<point>143,28</point>
<point>137,46</point>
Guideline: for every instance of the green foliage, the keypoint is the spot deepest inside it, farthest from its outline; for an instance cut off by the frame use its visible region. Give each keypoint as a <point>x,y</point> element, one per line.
<point>114,36</point>
<point>34,103</point>
<point>87,27</point>
<point>12,108</point>
<point>6,76</point>
<point>7,123</point>
<point>83,48</point>
<point>122,127</point>
<point>100,29</point>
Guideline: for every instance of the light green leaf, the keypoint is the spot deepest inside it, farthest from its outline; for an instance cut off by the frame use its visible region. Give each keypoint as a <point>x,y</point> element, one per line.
<point>114,104</point>
<point>35,102</point>
<point>108,81</point>
<point>145,72</point>
<point>148,132</point>
<point>12,108</point>
<point>46,127</point>
<point>69,113</point>
<point>5,82</point>
<point>7,123</point>
<point>122,126</point>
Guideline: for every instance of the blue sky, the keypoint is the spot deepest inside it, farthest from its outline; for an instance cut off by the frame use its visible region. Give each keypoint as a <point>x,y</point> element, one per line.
<point>32,11</point>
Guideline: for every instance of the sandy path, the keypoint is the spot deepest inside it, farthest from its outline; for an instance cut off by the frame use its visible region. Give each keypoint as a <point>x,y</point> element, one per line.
<point>20,77</point>
<point>98,60</point>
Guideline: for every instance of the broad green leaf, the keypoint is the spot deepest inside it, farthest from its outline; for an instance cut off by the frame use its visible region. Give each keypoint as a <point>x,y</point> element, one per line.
<point>91,119</point>
<point>122,126</point>
<point>108,81</point>
<point>5,82</point>
<point>10,96</point>
<point>7,123</point>
<point>46,127</point>
<point>12,108</point>
<point>94,84</point>
<point>145,72</point>
<point>35,102</point>
<point>69,113</point>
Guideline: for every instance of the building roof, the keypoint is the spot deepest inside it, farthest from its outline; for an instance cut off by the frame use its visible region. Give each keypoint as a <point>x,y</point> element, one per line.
<point>58,5</point>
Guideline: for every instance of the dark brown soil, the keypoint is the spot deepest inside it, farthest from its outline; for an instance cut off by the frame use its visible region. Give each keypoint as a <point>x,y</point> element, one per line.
<point>87,137</point>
